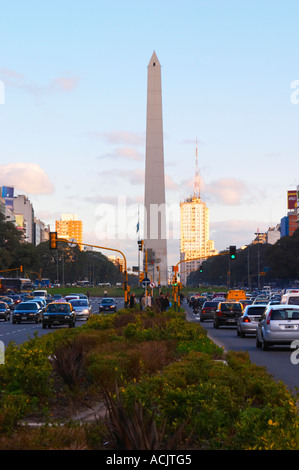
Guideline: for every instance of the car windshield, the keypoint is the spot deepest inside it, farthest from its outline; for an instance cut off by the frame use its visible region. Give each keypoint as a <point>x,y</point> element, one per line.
<point>285,314</point>
<point>79,303</point>
<point>58,308</point>
<point>107,301</point>
<point>29,306</point>
<point>2,306</point>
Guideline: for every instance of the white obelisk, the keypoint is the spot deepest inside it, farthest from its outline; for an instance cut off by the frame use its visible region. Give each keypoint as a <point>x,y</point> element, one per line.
<point>155,236</point>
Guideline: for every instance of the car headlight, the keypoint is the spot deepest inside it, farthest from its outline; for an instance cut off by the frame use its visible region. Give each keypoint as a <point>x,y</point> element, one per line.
<point>85,311</point>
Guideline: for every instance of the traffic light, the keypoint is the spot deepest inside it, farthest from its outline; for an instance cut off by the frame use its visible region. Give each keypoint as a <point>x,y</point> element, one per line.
<point>120,268</point>
<point>53,241</point>
<point>232,252</point>
<point>200,269</point>
<point>21,268</point>
<point>140,245</point>
<point>141,277</point>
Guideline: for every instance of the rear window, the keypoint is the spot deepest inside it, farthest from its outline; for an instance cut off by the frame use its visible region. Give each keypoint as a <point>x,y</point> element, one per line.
<point>230,307</point>
<point>293,300</point>
<point>285,314</point>
<point>210,304</point>
<point>253,310</point>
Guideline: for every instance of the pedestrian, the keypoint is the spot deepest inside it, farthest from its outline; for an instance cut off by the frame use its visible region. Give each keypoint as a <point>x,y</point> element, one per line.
<point>132,300</point>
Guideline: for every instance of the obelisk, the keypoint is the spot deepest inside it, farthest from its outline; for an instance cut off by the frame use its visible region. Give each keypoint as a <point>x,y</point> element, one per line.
<point>155,236</point>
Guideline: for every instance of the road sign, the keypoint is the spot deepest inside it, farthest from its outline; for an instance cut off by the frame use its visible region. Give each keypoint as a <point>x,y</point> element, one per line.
<point>146,281</point>
<point>72,242</point>
<point>152,285</point>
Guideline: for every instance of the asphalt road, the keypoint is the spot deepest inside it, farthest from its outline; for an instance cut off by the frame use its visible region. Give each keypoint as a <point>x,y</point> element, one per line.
<point>24,331</point>
<point>277,360</point>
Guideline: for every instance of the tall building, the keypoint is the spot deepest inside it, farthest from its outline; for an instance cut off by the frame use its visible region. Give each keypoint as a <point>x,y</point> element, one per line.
<point>155,236</point>
<point>24,215</point>
<point>70,227</point>
<point>195,242</point>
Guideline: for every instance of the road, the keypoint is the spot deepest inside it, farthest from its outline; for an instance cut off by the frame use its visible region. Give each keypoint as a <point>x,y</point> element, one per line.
<point>24,331</point>
<point>277,360</point>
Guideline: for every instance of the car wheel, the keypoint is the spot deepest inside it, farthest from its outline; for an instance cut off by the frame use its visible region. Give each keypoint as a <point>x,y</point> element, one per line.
<point>44,326</point>
<point>216,325</point>
<point>238,332</point>
<point>257,342</point>
<point>265,345</point>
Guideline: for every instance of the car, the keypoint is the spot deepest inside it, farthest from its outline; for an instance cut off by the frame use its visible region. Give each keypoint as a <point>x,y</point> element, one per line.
<point>107,304</point>
<point>71,297</point>
<point>279,325</point>
<point>208,310</point>
<point>56,297</point>
<point>260,300</point>
<point>4,311</point>
<point>8,301</point>
<point>59,313</point>
<point>247,323</point>
<point>41,302</point>
<point>82,308</point>
<point>16,299</point>
<point>227,313</point>
<point>27,311</point>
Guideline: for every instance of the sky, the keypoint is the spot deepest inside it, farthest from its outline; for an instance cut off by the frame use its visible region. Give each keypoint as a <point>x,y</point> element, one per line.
<point>73,111</point>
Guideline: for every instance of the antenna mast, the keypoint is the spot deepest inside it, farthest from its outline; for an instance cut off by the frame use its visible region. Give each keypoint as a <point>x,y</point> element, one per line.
<point>197,177</point>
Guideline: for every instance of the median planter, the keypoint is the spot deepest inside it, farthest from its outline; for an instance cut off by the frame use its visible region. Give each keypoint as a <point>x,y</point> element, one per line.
<point>166,369</point>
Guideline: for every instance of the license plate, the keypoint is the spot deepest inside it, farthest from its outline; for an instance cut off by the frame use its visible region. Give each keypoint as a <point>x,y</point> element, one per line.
<point>24,318</point>
<point>291,327</point>
<point>231,320</point>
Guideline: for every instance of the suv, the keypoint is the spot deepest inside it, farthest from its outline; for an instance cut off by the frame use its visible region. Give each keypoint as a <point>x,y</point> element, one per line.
<point>279,325</point>
<point>227,313</point>
<point>59,313</point>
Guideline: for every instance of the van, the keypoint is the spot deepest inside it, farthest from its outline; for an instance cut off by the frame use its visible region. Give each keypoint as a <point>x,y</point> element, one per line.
<point>291,299</point>
<point>236,295</point>
<point>40,293</point>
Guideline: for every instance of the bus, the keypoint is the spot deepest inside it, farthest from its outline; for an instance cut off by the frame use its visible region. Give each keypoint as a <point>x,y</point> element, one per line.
<point>15,284</point>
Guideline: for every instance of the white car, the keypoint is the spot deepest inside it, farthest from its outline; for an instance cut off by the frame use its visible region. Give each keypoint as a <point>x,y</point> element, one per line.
<point>82,308</point>
<point>279,325</point>
<point>248,322</point>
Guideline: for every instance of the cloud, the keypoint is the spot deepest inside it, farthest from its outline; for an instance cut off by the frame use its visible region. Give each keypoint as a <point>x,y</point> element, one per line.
<point>60,84</point>
<point>127,153</point>
<point>228,191</point>
<point>27,177</point>
<point>120,137</point>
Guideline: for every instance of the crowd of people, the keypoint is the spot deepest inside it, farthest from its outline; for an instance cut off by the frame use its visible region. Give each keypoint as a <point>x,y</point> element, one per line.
<point>162,302</point>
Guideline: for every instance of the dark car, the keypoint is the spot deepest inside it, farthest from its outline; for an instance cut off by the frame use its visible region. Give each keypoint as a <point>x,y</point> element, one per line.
<point>8,301</point>
<point>208,310</point>
<point>27,311</point>
<point>4,311</point>
<point>59,313</point>
<point>227,313</point>
<point>107,304</point>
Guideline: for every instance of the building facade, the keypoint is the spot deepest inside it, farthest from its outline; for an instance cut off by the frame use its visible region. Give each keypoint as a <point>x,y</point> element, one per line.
<point>194,242</point>
<point>70,227</point>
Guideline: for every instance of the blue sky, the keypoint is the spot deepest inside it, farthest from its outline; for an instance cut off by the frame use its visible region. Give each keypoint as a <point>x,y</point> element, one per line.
<point>72,128</point>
